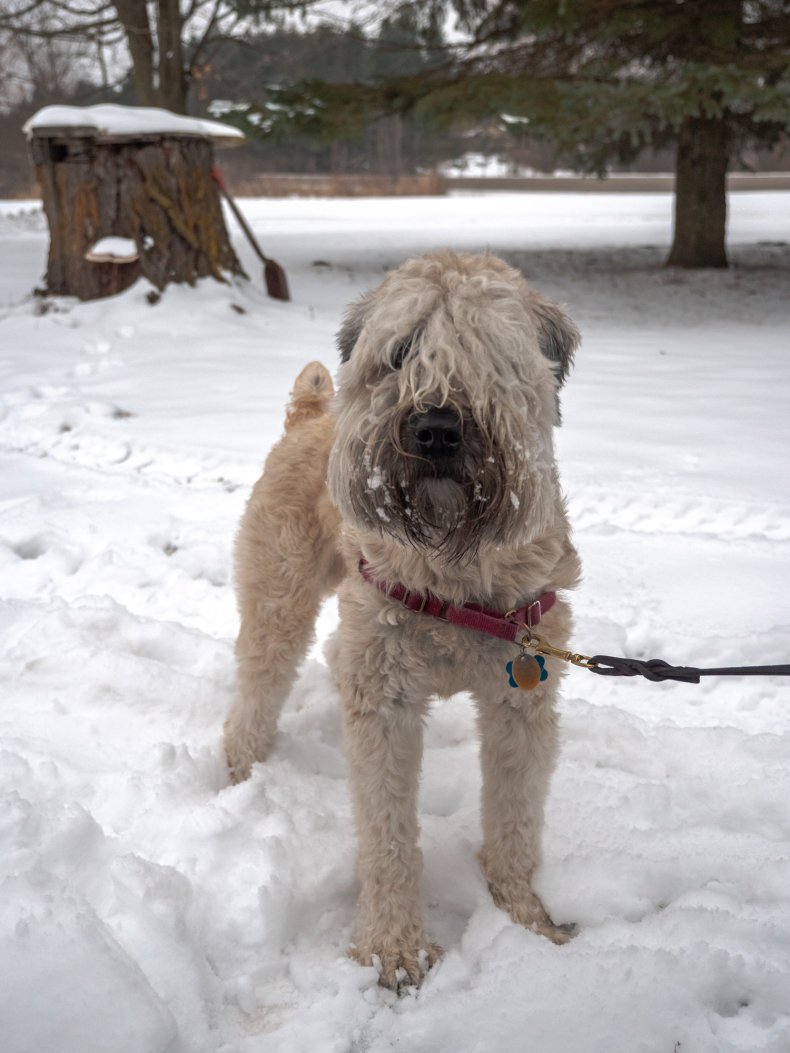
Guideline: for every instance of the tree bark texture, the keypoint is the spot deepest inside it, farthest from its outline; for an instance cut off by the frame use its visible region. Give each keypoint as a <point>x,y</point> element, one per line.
<point>155,45</point>
<point>172,79</point>
<point>389,144</point>
<point>701,194</point>
<point>160,193</point>
<point>133,16</point>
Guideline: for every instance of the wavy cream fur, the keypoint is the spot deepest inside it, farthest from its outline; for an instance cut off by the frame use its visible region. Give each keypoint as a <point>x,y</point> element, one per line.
<point>443,330</point>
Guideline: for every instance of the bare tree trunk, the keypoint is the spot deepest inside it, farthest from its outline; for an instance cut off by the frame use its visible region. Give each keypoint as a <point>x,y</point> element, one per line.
<point>159,193</point>
<point>157,53</point>
<point>133,16</point>
<point>389,138</point>
<point>701,194</point>
<point>338,156</point>
<point>172,80</point>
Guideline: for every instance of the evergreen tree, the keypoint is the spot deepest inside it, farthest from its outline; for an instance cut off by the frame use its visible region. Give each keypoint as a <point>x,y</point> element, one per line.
<point>602,79</point>
<point>623,75</point>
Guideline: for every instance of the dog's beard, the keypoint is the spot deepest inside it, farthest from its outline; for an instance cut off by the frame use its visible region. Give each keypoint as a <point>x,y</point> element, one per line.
<point>439,503</point>
<point>449,507</point>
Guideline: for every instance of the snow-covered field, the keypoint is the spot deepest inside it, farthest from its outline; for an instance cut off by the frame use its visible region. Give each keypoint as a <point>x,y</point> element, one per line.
<point>147,906</point>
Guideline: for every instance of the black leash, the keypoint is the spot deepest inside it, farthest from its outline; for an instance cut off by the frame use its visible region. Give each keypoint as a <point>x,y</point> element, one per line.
<point>655,669</point>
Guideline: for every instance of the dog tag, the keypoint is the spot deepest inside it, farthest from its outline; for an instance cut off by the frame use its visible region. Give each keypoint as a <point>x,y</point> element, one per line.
<point>527,671</point>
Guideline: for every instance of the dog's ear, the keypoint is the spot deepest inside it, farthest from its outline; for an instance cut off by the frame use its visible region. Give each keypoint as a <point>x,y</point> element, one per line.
<point>351,326</point>
<point>557,335</point>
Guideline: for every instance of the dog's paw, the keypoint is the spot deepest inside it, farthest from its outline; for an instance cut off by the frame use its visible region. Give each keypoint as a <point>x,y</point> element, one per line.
<point>525,908</point>
<point>399,966</point>
<point>241,752</point>
<point>558,934</point>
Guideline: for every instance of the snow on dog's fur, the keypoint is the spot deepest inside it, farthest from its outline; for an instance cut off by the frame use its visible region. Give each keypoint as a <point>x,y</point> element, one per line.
<point>435,463</point>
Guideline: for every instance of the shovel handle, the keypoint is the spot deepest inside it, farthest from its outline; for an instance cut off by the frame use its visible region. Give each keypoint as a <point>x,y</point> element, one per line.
<point>217,177</point>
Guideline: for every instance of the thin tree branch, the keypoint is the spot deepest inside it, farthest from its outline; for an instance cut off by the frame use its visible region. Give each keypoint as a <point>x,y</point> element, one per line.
<point>204,38</point>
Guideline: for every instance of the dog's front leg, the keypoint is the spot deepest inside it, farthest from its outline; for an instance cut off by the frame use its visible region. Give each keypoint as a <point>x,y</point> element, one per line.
<point>384,748</point>
<point>519,744</point>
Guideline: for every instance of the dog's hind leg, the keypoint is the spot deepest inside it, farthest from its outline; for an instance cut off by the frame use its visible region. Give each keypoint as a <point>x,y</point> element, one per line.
<point>286,562</point>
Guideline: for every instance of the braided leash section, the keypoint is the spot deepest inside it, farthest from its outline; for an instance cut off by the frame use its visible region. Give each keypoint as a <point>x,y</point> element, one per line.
<point>657,670</point>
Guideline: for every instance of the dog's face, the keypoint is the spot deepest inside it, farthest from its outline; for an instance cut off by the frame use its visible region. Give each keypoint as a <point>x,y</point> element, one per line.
<point>446,404</point>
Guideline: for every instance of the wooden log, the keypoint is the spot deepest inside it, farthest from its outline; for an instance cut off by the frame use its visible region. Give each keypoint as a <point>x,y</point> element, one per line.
<point>157,191</point>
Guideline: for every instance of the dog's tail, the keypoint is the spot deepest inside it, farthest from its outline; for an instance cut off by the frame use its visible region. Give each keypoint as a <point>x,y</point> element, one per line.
<point>311,394</point>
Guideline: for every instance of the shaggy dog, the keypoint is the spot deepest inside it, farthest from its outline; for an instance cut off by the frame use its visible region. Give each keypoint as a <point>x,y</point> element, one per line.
<point>434,465</point>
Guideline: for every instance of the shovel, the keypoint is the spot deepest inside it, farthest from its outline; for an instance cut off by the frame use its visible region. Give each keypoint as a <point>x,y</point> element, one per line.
<point>273,274</point>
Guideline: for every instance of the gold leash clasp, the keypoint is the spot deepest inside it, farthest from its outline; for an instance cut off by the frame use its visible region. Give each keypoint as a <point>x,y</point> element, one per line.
<point>543,647</point>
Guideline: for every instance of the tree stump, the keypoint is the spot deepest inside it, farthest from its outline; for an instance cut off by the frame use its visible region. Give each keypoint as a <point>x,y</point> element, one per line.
<point>154,188</point>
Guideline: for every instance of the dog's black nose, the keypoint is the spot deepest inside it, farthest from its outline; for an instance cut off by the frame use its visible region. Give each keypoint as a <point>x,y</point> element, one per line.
<point>437,433</point>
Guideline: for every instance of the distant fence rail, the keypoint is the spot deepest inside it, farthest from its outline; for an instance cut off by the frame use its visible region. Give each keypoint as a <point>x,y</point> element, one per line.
<point>273,184</point>
<point>632,182</point>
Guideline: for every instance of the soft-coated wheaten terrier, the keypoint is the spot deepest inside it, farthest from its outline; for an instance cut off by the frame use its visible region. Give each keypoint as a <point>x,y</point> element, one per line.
<point>425,488</point>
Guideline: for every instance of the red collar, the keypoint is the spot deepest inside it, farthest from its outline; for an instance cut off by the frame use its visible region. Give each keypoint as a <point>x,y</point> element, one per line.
<point>507,626</point>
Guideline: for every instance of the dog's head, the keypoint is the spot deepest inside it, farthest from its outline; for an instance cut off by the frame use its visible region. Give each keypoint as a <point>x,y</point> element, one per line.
<point>447,400</point>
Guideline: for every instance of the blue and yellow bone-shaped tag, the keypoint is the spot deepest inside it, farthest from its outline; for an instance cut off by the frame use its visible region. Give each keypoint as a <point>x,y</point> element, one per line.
<point>527,671</point>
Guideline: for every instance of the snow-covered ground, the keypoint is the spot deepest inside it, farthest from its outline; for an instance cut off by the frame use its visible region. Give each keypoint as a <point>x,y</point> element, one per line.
<point>147,906</point>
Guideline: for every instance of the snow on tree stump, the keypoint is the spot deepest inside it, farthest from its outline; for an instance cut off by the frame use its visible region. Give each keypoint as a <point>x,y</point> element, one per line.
<point>139,174</point>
